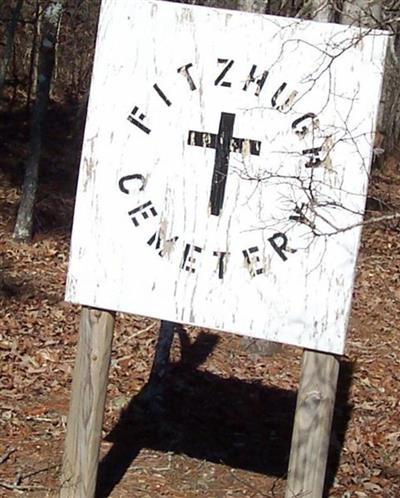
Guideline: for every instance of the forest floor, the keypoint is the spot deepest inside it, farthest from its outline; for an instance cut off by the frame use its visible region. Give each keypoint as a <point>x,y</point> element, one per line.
<point>228,412</point>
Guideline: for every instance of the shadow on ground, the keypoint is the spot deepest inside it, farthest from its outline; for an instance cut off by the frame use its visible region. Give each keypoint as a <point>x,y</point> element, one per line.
<point>238,423</point>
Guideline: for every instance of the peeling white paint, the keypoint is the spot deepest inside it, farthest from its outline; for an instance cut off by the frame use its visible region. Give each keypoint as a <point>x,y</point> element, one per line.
<point>160,250</point>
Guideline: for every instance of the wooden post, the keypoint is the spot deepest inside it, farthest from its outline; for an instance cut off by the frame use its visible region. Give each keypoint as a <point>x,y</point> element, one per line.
<point>312,425</point>
<point>85,420</point>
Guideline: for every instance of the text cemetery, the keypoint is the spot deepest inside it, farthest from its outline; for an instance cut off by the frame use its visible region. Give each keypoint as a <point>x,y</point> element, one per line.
<point>218,176</point>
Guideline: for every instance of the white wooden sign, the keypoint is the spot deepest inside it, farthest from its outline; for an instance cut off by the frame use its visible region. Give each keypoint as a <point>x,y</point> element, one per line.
<point>226,155</point>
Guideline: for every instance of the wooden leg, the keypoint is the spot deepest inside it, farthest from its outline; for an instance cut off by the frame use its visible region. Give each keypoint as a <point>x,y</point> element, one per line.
<point>312,425</point>
<point>85,420</point>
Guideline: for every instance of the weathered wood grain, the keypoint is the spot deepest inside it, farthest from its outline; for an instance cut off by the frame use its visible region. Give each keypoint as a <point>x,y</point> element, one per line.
<point>79,472</point>
<point>312,425</point>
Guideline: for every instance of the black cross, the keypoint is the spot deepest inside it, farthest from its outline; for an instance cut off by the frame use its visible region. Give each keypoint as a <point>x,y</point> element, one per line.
<point>224,143</point>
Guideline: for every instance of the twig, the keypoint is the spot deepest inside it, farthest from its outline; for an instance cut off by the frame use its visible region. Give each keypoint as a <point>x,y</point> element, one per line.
<point>17,486</point>
<point>371,221</point>
<point>272,490</point>
<point>136,334</point>
<point>38,471</point>
<point>143,331</point>
<point>8,409</point>
<point>249,485</point>
<point>5,456</point>
<point>43,419</point>
<point>20,487</point>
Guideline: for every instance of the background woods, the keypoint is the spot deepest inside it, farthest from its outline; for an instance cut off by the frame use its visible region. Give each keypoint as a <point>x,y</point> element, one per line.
<point>227,425</point>
<point>46,64</point>
<point>75,47</point>
<point>22,26</point>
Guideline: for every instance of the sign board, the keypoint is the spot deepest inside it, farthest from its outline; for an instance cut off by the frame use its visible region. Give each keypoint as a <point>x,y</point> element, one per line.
<point>225,160</point>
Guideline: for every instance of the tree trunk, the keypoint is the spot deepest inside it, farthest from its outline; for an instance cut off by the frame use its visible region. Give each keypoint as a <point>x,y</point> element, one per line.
<point>259,6</point>
<point>367,13</point>
<point>9,43</point>
<point>323,11</point>
<point>51,19</point>
<point>390,115</point>
<point>318,10</point>
<point>33,60</point>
